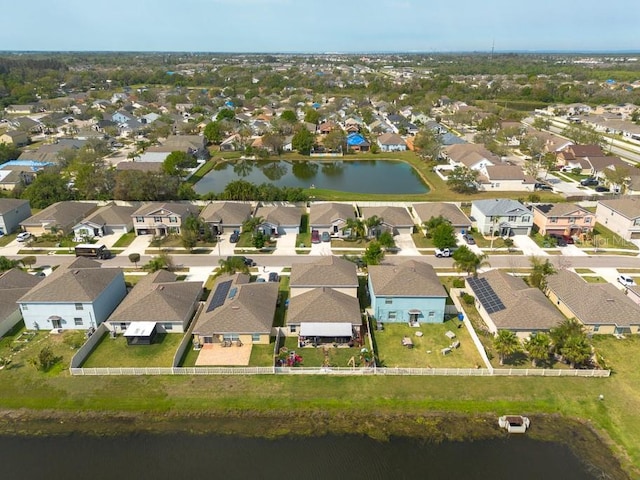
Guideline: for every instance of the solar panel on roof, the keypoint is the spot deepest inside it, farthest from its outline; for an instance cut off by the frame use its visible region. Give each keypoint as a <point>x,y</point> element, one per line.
<point>487,297</point>
<point>219,295</point>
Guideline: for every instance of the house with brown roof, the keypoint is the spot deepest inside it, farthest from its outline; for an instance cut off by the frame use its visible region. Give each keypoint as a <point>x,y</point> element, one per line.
<point>106,220</point>
<point>60,217</point>
<point>330,217</point>
<point>562,219</point>
<point>407,293</point>
<point>279,219</point>
<point>600,307</point>
<point>15,138</point>
<point>506,302</point>
<point>329,271</point>
<point>505,178</point>
<point>158,298</point>
<point>620,215</point>
<point>78,297</point>
<point>14,284</point>
<point>12,212</point>
<point>427,210</point>
<point>162,218</point>
<point>470,155</point>
<point>221,216</point>
<point>391,142</point>
<point>395,220</point>
<point>236,311</point>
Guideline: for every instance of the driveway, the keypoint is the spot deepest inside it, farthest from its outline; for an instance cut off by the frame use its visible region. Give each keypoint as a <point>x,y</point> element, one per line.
<point>198,274</point>
<point>573,251</point>
<point>404,242</point>
<point>610,275</point>
<point>286,245</point>
<point>528,246</point>
<point>322,248</point>
<point>474,248</point>
<point>139,245</point>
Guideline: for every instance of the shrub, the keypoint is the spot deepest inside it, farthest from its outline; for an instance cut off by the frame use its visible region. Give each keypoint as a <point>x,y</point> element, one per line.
<point>458,283</point>
<point>468,299</point>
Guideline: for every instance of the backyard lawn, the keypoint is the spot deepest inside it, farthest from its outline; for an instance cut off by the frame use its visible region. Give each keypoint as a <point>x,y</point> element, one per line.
<point>315,357</point>
<point>262,355</point>
<point>426,351</point>
<point>114,352</point>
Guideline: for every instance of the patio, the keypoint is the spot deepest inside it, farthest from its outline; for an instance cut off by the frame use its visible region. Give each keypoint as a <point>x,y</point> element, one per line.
<point>214,354</point>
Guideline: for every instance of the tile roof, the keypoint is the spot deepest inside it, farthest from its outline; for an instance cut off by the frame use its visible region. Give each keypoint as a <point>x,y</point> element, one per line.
<point>409,279</point>
<point>324,305</point>
<point>327,213</point>
<point>226,213</point>
<point>393,216</point>
<point>525,309</point>
<point>449,211</point>
<point>329,271</point>
<point>158,297</point>
<point>593,303</point>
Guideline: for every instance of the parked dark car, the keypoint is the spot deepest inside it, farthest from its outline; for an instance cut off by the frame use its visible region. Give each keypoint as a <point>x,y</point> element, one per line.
<point>273,277</point>
<point>543,187</point>
<point>469,239</point>
<point>315,236</point>
<point>560,240</point>
<point>235,236</point>
<point>602,189</point>
<point>247,261</point>
<point>589,182</point>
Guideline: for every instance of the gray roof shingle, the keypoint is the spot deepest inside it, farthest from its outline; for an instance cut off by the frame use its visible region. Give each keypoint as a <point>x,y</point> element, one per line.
<point>409,279</point>
<point>324,305</point>
<point>324,272</point>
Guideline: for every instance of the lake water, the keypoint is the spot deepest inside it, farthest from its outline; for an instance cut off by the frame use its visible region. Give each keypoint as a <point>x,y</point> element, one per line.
<point>365,176</point>
<point>179,456</point>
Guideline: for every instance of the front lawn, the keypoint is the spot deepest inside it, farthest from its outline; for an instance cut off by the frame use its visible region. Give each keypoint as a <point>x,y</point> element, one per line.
<point>114,352</point>
<point>421,241</point>
<point>605,238</point>
<point>125,240</point>
<point>426,351</point>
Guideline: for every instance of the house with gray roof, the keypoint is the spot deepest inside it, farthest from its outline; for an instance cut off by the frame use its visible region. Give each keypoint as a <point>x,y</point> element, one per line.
<point>78,297</point>
<point>158,298</point>
<point>330,217</point>
<point>501,216</point>
<point>162,218</point>
<point>505,178</point>
<point>221,216</point>
<point>600,307</point>
<point>506,302</point>
<point>52,152</point>
<point>236,311</point>
<point>12,212</point>
<point>60,217</point>
<point>15,138</point>
<point>279,219</point>
<point>456,217</point>
<point>407,293</point>
<point>106,220</point>
<point>14,284</point>
<point>621,216</point>
<point>327,271</point>
<point>395,220</point>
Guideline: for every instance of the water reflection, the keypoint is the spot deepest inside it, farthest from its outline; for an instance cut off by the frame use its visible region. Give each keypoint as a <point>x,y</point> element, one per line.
<point>304,170</point>
<point>273,170</point>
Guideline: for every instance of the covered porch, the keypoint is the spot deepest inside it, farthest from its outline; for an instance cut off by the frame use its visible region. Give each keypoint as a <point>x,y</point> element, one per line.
<point>313,334</point>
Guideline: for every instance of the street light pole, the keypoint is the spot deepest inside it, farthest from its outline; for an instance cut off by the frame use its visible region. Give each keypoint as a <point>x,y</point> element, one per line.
<point>219,242</point>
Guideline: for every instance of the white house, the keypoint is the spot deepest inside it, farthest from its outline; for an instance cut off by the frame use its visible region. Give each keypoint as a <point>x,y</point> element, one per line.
<point>502,217</point>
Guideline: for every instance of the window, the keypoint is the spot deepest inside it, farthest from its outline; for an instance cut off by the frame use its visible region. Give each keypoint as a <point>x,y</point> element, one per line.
<point>636,222</point>
<point>79,306</point>
<point>432,314</point>
<point>255,337</point>
<point>25,307</point>
<point>572,219</point>
<point>553,219</point>
<point>392,316</point>
<point>173,219</point>
<point>157,219</point>
<point>77,321</point>
<point>293,328</point>
<point>388,301</point>
<point>525,219</point>
<point>512,218</point>
<point>168,326</point>
<point>596,328</point>
<point>123,326</point>
<point>139,219</point>
<point>587,219</point>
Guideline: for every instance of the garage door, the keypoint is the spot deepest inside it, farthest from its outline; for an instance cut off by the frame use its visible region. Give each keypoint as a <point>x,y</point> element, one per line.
<point>289,230</point>
<point>520,231</point>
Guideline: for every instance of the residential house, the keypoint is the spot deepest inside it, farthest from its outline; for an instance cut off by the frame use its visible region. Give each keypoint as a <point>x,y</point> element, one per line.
<point>139,166</point>
<point>231,143</point>
<point>19,172</point>
<point>505,178</point>
<point>500,216</point>
<point>456,217</point>
<point>24,109</point>
<point>158,298</point>
<point>357,143</point>
<point>633,292</point>
<point>58,218</point>
<point>407,293</point>
<point>565,219</point>
<point>122,116</point>
<point>330,271</point>
<point>107,220</point>
<point>236,311</point>
<point>194,145</point>
<point>14,284</point>
<point>51,153</point>
<point>12,212</point>
<point>330,217</point>
<point>279,219</point>
<point>600,307</point>
<point>391,142</point>
<point>160,219</point>
<point>395,220</point>
<point>221,216</point>
<point>621,216</point>
<point>506,302</point>
<point>15,138</point>
<point>78,297</point>
<point>470,155</point>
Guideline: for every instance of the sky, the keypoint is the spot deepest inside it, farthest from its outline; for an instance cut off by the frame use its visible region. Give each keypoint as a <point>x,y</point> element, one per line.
<point>320,26</point>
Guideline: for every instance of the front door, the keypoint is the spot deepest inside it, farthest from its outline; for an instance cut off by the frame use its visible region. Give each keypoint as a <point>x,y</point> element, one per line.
<point>56,322</point>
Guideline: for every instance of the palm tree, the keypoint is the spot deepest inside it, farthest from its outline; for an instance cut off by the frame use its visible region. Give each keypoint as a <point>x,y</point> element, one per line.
<point>355,227</point>
<point>372,223</point>
<point>232,265</point>
<point>540,271</point>
<point>506,343</point>
<point>464,260</point>
<point>576,350</point>
<point>563,332</point>
<point>538,347</point>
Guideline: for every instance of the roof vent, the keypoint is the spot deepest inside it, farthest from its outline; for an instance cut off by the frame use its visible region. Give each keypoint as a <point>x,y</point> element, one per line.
<point>76,272</point>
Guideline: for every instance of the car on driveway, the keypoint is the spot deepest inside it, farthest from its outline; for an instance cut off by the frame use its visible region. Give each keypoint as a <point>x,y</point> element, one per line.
<point>326,237</point>
<point>23,237</point>
<point>315,236</point>
<point>273,277</point>
<point>601,189</point>
<point>626,280</point>
<point>589,182</point>
<point>235,236</point>
<point>560,240</point>
<point>469,239</point>
<point>543,187</point>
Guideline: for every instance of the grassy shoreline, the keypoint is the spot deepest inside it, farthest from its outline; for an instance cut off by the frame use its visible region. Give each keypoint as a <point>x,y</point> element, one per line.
<point>432,427</point>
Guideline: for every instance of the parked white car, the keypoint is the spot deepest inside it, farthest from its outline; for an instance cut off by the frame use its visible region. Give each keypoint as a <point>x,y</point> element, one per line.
<point>21,237</point>
<point>626,280</point>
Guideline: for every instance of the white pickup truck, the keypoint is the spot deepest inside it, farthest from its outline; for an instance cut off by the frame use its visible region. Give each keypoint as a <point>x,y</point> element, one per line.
<point>445,252</point>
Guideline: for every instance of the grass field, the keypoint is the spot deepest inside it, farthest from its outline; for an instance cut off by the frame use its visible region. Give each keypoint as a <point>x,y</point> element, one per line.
<point>114,352</point>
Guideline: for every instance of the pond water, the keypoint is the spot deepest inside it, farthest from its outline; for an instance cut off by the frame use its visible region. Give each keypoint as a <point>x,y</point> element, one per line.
<point>362,176</point>
<point>179,456</point>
